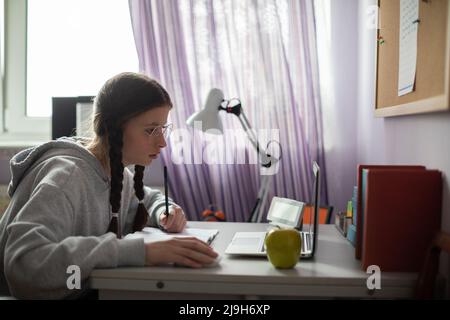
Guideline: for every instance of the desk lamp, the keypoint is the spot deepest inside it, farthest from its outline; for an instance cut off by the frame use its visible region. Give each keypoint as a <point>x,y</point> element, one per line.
<point>209,118</point>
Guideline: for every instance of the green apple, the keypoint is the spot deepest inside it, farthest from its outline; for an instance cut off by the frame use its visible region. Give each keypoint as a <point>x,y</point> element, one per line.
<point>283,247</point>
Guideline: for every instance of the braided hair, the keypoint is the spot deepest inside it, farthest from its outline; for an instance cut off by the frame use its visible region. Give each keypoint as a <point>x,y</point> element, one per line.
<point>141,215</point>
<point>121,98</point>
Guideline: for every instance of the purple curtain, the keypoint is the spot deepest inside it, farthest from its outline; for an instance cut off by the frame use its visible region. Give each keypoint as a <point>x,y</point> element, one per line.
<point>262,52</point>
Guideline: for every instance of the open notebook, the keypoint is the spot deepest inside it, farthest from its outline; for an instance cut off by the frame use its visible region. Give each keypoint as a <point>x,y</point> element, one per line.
<point>156,234</point>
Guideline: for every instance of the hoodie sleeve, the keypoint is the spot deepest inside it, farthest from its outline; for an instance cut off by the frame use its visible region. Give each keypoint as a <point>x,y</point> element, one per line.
<point>41,247</point>
<point>155,202</point>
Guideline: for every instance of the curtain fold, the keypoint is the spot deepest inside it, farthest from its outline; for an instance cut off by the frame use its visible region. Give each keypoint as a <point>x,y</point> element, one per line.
<point>262,52</point>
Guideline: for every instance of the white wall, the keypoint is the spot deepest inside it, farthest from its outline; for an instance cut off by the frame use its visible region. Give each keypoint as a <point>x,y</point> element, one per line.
<point>339,76</point>
<point>352,133</point>
<point>420,139</point>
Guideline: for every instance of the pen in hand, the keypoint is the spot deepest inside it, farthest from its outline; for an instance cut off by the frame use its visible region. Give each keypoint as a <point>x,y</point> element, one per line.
<point>166,192</point>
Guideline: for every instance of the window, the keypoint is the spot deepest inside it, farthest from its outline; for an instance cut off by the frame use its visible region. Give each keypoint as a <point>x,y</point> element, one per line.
<point>61,48</point>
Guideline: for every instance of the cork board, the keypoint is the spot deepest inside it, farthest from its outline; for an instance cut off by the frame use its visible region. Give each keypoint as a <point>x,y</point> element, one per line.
<point>432,85</point>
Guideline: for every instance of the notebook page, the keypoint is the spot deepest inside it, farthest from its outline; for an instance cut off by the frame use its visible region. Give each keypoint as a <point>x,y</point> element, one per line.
<point>155,234</point>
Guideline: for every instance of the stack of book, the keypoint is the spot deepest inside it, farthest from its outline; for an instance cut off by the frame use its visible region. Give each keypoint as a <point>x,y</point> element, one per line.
<point>351,230</point>
<point>398,210</point>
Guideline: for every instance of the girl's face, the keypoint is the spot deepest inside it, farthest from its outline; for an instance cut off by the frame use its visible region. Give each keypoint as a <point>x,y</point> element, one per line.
<point>139,145</point>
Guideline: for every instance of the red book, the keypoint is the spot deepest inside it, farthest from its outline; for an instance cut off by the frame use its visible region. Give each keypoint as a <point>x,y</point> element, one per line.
<point>359,218</point>
<point>402,213</point>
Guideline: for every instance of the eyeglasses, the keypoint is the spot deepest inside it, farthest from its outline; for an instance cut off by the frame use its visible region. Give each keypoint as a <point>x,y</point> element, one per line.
<point>164,130</point>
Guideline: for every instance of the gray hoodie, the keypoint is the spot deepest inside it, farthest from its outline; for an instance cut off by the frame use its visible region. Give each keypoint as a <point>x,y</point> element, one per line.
<point>58,217</point>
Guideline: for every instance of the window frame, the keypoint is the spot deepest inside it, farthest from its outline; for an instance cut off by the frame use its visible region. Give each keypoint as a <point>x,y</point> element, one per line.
<point>17,125</point>
<point>2,66</point>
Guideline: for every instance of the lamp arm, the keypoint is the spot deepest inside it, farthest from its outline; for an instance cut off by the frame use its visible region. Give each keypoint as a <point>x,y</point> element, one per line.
<point>266,161</point>
<point>248,128</point>
<point>237,110</point>
<point>261,199</point>
<point>265,158</point>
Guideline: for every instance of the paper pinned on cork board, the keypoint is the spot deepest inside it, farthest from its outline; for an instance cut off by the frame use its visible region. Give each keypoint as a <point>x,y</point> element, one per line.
<point>409,25</point>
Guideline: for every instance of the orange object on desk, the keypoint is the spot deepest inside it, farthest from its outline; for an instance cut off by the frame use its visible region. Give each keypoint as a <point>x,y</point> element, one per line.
<point>324,214</point>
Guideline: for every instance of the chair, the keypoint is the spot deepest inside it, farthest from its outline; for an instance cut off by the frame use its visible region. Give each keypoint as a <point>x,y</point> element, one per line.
<point>427,276</point>
<point>324,214</point>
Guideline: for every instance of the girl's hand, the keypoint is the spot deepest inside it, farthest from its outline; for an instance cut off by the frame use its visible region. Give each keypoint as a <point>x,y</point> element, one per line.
<point>175,221</point>
<point>190,252</point>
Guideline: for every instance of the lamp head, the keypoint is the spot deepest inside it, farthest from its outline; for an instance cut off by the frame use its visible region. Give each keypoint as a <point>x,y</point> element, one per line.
<point>209,115</point>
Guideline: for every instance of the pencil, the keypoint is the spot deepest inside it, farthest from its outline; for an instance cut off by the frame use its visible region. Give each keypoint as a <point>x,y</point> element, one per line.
<point>166,191</point>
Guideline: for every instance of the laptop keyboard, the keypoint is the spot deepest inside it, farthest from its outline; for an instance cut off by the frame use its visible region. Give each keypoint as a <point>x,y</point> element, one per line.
<point>263,249</point>
<point>306,242</point>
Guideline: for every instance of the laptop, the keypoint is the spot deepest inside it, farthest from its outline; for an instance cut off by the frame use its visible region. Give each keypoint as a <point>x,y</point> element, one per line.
<point>283,213</point>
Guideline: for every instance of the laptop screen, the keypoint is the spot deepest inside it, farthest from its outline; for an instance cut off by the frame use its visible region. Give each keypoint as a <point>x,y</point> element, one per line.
<point>316,203</point>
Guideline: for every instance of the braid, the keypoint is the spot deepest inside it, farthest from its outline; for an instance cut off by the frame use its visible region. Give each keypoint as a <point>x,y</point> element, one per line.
<point>115,157</point>
<point>140,220</point>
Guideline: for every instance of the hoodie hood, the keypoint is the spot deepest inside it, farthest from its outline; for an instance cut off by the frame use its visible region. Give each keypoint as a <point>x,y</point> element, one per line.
<point>65,146</point>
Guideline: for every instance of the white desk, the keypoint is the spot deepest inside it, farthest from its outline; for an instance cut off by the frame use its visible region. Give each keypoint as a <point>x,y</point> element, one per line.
<point>334,272</point>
